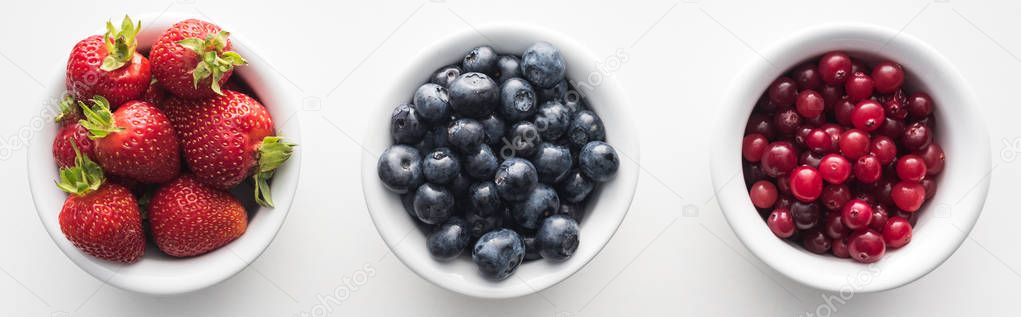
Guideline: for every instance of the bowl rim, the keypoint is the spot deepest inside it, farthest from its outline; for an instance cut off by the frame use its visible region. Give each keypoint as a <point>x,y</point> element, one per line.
<point>243,250</point>
<point>626,180</point>
<point>826,272</point>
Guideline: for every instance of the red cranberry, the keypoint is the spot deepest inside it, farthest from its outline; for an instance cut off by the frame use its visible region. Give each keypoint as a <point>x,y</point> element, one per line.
<point>916,136</point>
<point>891,128</point>
<point>781,223</point>
<point>834,67</point>
<point>854,144</point>
<point>879,218</point>
<point>834,227</point>
<point>897,232</point>
<point>778,159</point>
<point>858,87</point>
<point>783,91</point>
<point>783,184</point>
<point>868,115</point>
<point>806,215</point>
<point>856,214</point>
<point>883,148</point>
<point>784,202</point>
<point>761,124</point>
<point>831,94</point>
<point>787,121</point>
<point>919,105</point>
<point>753,146</point>
<point>763,194</point>
<point>930,187</point>
<point>834,169</point>
<point>763,105</point>
<point>882,190</point>
<point>868,169</point>
<point>834,197</point>
<point>834,130</point>
<point>806,184</point>
<point>810,158</point>
<point>807,76</point>
<point>752,173</point>
<point>839,248</point>
<point>866,246</point>
<point>819,141</point>
<point>842,112</point>
<point>910,216</point>
<point>934,159</point>
<point>908,195</point>
<point>895,105</point>
<point>800,134</point>
<point>810,104</point>
<point>888,77</point>
<point>816,242</point>
<point>911,168</point>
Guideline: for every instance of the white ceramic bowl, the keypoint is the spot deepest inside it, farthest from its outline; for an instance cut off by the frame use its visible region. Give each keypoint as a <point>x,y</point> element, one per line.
<point>157,273</point>
<point>944,222</point>
<point>604,213</point>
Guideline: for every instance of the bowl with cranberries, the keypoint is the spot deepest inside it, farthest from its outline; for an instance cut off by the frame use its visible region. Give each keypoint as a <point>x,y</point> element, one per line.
<point>859,150</point>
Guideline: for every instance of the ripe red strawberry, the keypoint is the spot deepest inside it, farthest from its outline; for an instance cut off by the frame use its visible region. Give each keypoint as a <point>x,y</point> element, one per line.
<point>64,151</point>
<point>189,218</point>
<point>193,58</point>
<point>137,141</point>
<point>100,219</point>
<point>228,138</point>
<point>155,94</point>
<point>108,65</point>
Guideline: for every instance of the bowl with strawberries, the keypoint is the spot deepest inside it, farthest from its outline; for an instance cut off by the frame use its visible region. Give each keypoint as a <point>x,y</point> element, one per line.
<point>166,168</point>
<point>851,158</point>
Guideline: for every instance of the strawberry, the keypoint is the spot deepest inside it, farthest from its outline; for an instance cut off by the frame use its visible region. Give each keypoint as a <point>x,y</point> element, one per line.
<point>69,113</point>
<point>108,65</point>
<point>193,58</point>
<point>189,218</point>
<point>155,94</point>
<point>100,219</point>
<point>137,141</point>
<point>69,137</point>
<point>227,138</point>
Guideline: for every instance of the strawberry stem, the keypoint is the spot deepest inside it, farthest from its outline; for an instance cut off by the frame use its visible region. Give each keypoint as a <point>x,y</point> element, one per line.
<point>214,61</point>
<point>98,118</point>
<point>120,44</point>
<point>67,108</point>
<point>272,153</point>
<point>84,177</point>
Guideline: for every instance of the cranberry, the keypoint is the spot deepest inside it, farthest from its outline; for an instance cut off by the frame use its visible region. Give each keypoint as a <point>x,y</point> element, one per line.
<point>831,94</point>
<point>778,159</point>
<point>879,218</point>
<point>753,173</point>
<point>834,197</point>
<point>882,190</point>
<point>807,76</point>
<point>856,214</point>
<point>806,215</point>
<point>834,130</point>
<point>787,121</point>
<point>810,104</point>
<point>866,246</point>
<point>868,115</point>
<point>910,216</point>
<point>839,248</point>
<point>783,184</point>
<point>842,112</point>
<point>897,232</point>
<point>911,168</point>
<point>834,227</point>
<point>883,148</point>
<point>806,184</point>
<point>819,141</point>
<point>930,187</point>
<point>761,124</point>
<point>782,91</point>
<point>810,158</point>
<point>916,136</point>
<point>888,76</point>
<point>908,195</point>
<point>934,159</point>
<point>868,169</point>
<point>834,67</point>
<point>891,128</point>
<point>816,242</point>
<point>753,146</point>
<point>763,194</point>
<point>784,202</point>
<point>781,223</point>
<point>854,144</point>
<point>895,105</point>
<point>834,169</point>
<point>858,87</point>
<point>800,134</point>
<point>919,105</point>
<point>858,66</point>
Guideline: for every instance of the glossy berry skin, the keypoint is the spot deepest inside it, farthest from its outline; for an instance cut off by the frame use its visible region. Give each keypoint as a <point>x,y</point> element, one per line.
<point>552,162</point>
<point>482,59</point>
<point>63,152</point>
<point>433,204</point>
<point>558,237</point>
<point>448,240</point>
<point>783,92</point>
<point>522,141</point>
<point>787,121</point>
<point>807,77</point>
<point>441,166</point>
<point>883,148</point>
<point>854,143</point>
<point>834,169</point>
<point>834,68</point>
<point>406,127</point>
<point>498,253</point>
<point>552,119</point>
<point>806,215</point>
<point>810,104</point>
<point>781,223</point>
<point>432,103</point>
<point>173,64</point>
<point>833,226</point>
<point>868,115</point>
<point>400,169</point>
<point>806,183</point>
<point>518,100</point>
<point>575,187</point>
<point>189,218</point>
<point>763,194</point>
<point>779,158</point>
<point>911,168</point>
<point>761,124</point>
<point>495,129</point>
<point>466,134</point>
<point>866,246</point>
<point>856,214</point>
<point>145,150</point>
<point>105,223</point>
<point>484,199</point>
<point>919,105</point>
<point>819,141</point>
<point>445,75</point>
<point>507,67</point>
<point>585,127</point>
<point>879,218</point>
<point>834,197</point>
<point>908,195</point>
<point>839,248</point>
<point>916,136</point>
<point>556,93</point>
<point>84,78</point>
<point>479,225</point>
<point>515,179</point>
<point>888,77</point>
<point>897,232</point>
<point>542,202</point>
<point>473,95</point>
<point>858,87</point>
<point>543,65</point>
<point>868,169</point>
<point>599,161</point>
<point>842,112</point>
<point>480,163</point>
<point>934,159</point>
<point>816,242</point>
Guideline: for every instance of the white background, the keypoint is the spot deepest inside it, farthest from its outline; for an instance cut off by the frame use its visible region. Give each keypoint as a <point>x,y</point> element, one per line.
<point>662,261</point>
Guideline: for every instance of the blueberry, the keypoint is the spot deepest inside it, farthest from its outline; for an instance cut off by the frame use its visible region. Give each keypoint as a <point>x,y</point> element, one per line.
<point>439,136</point>
<point>498,253</point>
<point>585,127</point>
<point>543,65</point>
<point>474,95</point>
<point>531,249</point>
<point>552,120</point>
<point>542,202</point>
<point>575,187</point>
<point>598,161</point>
<point>522,140</point>
<point>466,134</point>
<point>558,237</point>
<point>441,166</point>
<point>575,211</point>
<point>552,162</point>
<point>495,128</point>
<point>479,225</point>
<point>433,103</point>
<point>459,187</point>
<point>555,93</point>
<point>481,163</point>
<point>517,100</point>
<point>445,75</point>
<point>400,168</point>
<point>485,201</point>
<point>433,203</point>
<point>508,66</point>
<point>448,240</point>
<point>574,101</point>
<point>515,179</point>
<point>406,127</point>
<point>482,59</point>
<point>408,201</point>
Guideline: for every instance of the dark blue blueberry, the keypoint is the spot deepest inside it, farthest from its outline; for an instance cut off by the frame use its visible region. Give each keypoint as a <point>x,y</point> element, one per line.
<point>498,253</point>
<point>552,162</point>
<point>575,211</point>
<point>400,168</point>
<point>508,66</point>
<point>459,186</point>
<point>482,59</point>
<point>408,201</point>
<point>441,166</point>
<point>517,100</point>
<point>433,103</point>
<point>543,65</point>
<point>433,203</point>
<point>485,200</point>
<point>474,95</point>
<point>448,240</point>
<point>558,237</point>
<point>585,127</point>
<point>521,141</point>
<point>575,187</point>
<point>574,101</point>
<point>481,163</point>
<point>479,225</point>
<point>515,179</point>
<point>531,249</point>
<point>406,127</point>
<point>598,161</point>
<point>542,202</point>
<point>552,120</point>
<point>439,136</point>
<point>556,93</point>
<point>466,134</point>
<point>445,75</point>
<point>495,128</point>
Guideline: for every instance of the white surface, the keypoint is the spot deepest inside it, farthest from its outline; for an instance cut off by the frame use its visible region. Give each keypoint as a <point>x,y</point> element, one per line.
<point>681,57</point>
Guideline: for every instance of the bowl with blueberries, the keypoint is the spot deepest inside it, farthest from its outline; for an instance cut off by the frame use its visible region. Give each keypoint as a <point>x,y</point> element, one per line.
<point>497,167</point>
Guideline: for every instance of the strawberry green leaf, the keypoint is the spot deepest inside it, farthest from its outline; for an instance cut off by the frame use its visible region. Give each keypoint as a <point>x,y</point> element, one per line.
<point>84,177</point>
<point>98,118</point>
<point>272,153</point>
<point>215,62</point>
<point>67,108</point>
<point>120,44</point>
